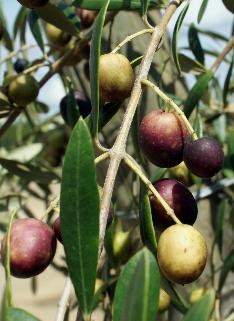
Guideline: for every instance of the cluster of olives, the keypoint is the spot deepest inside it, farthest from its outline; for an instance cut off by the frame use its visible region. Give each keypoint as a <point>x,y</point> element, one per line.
<point>165,141</point>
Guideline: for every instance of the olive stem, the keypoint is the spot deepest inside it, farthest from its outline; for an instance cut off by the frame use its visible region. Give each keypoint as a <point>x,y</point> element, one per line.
<point>223,54</point>
<point>63,302</point>
<point>118,151</point>
<point>136,168</point>
<point>53,205</point>
<point>171,103</point>
<point>102,157</point>
<point>131,37</point>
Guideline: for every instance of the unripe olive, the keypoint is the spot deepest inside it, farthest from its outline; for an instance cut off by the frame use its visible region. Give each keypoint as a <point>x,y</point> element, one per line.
<point>23,90</point>
<point>116,77</point>
<point>182,253</point>
<point>164,301</point>
<point>229,4</point>
<point>33,3</point>
<point>121,246</point>
<point>181,173</point>
<point>56,36</point>
<point>32,247</point>
<point>98,285</point>
<point>196,295</point>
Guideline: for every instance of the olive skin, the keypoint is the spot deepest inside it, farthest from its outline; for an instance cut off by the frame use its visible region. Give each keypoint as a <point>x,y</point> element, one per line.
<point>57,229</point>
<point>56,36</point>
<point>229,4</point>
<point>204,157</point>
<point>164,301</point>
<point>181,173</point>
<point>32,247</point>
<point>196,295</point>
<point>20,65</point>
<point>116,77</point>
<point>182,253</point>
<point>33,3</point>
<point>23,90</point>
<point>162,136</point>
<point>87,17</point>
<point>179,198</point>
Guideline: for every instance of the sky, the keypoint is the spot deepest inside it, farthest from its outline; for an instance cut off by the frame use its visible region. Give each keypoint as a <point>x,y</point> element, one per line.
<point>217,18</point>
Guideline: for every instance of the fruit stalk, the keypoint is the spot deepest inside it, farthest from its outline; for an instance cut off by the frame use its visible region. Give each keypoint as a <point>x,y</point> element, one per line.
<point>129,38</point>
<point>117,152</point>
<point>136,168</point>
<point>171,103</point>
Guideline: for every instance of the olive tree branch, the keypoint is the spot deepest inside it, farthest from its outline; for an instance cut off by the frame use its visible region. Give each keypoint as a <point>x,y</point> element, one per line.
<point>223,54</point>
<point>136,168</point>
<point>117,152</point>
<point>171,103</point>
<point>63,302</point>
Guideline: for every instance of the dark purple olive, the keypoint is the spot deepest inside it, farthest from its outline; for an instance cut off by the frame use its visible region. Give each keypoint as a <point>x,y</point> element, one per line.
<point>179,198</point>
<point>32,247</point>
<point>162,136</point>
<point>204,157</point>
<point>71,116</point>
<point>20,65</point>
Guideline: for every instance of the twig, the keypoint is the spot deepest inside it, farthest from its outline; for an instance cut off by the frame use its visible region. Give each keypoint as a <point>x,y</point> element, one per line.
<point>223,54</point>
<point>136,168</point>
<point>63,302</point>
<point>171,103</point>
<point>131,37</point>
<point>11,119</point>
<point>117,152</point>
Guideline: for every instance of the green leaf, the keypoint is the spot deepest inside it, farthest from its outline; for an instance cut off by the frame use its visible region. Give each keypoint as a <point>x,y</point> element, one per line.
<point>33,20</point>
<point>114,4</point>
<point>7,41</point>
<point>19,20</point>
<point>94,64</point>
<point>227,81</point>
<point>190,65</point>
<point>80,214</point>
<point>28,172</point>
<point>107,112</point>
<point>15,314</point>
<point>202,10</point>
<point>197,125</point>
<point>202,309</point>
<point>196,92</point>
<point>70,13</point>
<point>73,112</point>
<point>145,5</point>
<point>213,35</point>
<point>137,292</point>
<point>176,35</point>
<point>227,266</point>
<point>195,44</point>
<point>52,14</point>
<point>146,222</point>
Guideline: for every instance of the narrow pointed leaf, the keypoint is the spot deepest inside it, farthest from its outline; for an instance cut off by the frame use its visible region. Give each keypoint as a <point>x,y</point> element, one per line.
<point>146,222</point>
<point>137,291</point>
<point>227,81</point>
<point>176,35</point>
<point>80,214</point>
<point>145,6</point>
<point>227,266</point>
<point>94,64</point>
<point>115,4</point>
<point>195,44</point>
<point>33,19</point>
<point>202,309</point>
<point>15,314</point>
<point>196,92</point>
<point>52,14</point>
<point>202,10</point>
